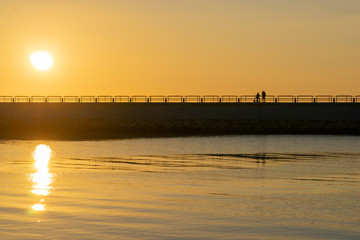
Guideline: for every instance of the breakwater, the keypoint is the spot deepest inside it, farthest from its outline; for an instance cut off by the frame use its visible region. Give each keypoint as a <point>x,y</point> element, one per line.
<point>77,120</point>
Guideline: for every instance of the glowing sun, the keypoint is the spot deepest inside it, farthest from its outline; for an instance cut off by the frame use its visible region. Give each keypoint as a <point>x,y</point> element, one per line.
<point>41,60</point>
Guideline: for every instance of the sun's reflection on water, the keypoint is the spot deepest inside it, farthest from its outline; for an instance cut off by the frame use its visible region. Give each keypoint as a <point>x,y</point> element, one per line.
<point>38,207</point>
<point>42,179</point>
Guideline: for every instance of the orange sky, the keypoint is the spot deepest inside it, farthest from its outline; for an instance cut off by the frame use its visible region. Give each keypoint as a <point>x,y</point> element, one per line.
<point>113,47</point>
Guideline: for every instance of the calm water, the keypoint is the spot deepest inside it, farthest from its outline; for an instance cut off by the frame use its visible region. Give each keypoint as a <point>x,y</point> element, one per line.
<point>226,187</point>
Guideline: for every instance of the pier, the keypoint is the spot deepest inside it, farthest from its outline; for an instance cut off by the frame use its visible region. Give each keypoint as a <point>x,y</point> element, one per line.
<point>108,116</point>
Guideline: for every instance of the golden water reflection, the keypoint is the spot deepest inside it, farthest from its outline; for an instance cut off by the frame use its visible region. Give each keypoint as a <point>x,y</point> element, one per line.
<point>42,179</point>
<point>38,207</point>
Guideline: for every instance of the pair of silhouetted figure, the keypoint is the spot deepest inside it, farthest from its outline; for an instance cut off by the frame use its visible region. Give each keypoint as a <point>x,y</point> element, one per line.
<point>263,96</point>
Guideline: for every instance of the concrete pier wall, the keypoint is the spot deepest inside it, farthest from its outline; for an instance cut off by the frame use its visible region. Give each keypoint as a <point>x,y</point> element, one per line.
<point>18,119</point>
<point>221,111</point>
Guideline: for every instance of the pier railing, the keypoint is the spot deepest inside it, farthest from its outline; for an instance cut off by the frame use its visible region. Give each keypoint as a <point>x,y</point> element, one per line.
<point>183,99</point>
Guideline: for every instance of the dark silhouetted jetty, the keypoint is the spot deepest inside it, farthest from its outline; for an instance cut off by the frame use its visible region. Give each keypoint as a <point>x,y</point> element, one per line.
<point>122,116</point>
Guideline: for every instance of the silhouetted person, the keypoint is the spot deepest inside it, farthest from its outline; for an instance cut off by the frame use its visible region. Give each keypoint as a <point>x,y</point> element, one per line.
<point>257,97</point>
<point>263,96</point>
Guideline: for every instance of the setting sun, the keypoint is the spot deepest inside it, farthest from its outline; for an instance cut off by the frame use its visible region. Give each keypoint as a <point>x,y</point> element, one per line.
<point>41,60</point>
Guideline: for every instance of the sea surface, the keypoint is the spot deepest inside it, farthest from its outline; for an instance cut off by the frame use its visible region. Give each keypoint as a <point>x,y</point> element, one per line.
<point>213,187</point>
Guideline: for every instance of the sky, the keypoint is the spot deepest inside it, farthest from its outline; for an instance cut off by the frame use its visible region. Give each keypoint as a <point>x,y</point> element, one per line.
<point>185,47</point>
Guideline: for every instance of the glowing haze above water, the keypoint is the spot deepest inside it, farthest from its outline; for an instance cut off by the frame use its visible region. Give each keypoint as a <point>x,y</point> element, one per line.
<point>181,47</point>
